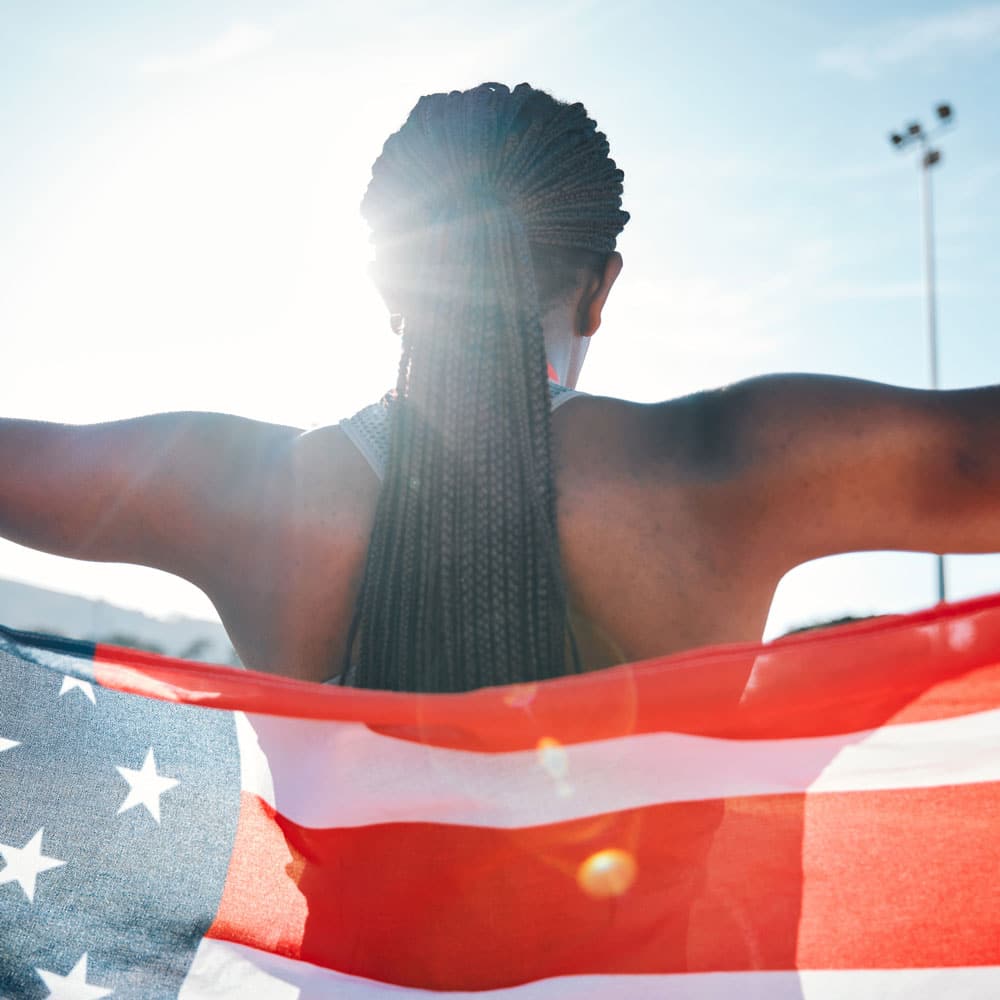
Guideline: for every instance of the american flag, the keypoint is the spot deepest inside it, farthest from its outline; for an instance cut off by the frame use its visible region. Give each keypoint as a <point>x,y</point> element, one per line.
<point>815,818</point>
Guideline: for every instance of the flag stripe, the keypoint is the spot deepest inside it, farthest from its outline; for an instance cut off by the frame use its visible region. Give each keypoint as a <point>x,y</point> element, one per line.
<point>935,665</point>
<point>321,774</point>
<point>222,969</point>
<point>839,880</point>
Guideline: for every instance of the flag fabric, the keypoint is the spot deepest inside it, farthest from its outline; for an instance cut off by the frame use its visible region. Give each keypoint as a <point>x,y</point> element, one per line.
<point>812,818</point>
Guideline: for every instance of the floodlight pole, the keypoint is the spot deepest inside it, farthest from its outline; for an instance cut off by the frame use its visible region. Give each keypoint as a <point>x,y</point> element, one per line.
<point>928,158</point>
<point>927,161</point>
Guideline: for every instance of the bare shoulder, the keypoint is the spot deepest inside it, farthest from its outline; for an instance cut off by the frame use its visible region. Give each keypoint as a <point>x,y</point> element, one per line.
<point>841,464</point>
<point>287,591</point>
<point>701,435</point>
<point>795,421</point>
<point>331,472</point>
<point>811,465</point>
<point>316,493</point>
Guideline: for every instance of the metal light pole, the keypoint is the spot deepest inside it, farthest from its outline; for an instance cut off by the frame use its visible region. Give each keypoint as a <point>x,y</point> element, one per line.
<point>929,157</point>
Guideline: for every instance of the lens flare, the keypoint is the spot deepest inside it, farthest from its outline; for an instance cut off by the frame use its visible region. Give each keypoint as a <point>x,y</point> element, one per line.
<point>553,758</point>
<point>607,873</point>
<point>520,695</point>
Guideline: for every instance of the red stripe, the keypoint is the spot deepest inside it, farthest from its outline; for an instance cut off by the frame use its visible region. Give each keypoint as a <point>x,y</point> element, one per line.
<point>937,664</point>
<point>260,904</point>
<point>857,880</point>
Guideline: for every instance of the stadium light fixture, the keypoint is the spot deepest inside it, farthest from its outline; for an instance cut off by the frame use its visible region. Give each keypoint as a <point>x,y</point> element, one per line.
<point>930,156</point>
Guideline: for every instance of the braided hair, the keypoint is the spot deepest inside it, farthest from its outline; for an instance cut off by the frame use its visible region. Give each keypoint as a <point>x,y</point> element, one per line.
<point>481,197</point>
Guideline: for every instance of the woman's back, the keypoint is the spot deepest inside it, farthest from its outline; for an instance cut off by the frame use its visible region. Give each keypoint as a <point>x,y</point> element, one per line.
<point>649,534</point>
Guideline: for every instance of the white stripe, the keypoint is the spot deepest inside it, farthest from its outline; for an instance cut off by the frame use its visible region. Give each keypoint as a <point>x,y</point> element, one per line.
<point>323,774</point>
<point>222,970</point>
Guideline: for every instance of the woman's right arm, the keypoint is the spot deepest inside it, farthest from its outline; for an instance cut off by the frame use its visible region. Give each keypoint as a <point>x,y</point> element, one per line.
<point>166,491</point>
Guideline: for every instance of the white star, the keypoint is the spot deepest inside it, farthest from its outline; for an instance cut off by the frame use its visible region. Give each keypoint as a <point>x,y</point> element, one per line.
<point>7,744</point>
<point>145,786</point>
<point>25,864</point>
<point>69,683</point>
<point>73,986</point>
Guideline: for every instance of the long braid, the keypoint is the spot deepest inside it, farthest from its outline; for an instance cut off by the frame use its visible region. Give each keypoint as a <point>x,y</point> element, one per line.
<point>463,583</point>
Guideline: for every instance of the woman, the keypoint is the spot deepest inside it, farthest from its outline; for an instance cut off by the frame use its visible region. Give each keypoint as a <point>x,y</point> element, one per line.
<point>505,541</point>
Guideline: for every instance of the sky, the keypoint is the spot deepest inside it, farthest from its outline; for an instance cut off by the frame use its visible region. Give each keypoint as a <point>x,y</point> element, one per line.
<point>180,227</point>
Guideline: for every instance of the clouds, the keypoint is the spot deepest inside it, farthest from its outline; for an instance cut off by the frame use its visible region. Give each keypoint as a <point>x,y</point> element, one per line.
<point>974,29</point>
<point>239,40</point>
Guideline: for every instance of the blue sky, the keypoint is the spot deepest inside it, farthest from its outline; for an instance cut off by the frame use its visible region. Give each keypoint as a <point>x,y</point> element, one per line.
<point>179,221</point>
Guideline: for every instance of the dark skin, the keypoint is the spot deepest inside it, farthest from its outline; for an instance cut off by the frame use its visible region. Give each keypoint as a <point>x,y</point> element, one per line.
<point>677,520</point>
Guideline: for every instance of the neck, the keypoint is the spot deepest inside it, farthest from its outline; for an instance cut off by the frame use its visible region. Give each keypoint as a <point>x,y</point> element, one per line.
<point>564,348</point>
<point>566,354</point>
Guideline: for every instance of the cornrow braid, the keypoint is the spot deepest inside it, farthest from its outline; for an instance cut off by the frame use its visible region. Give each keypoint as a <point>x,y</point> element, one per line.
<point>463,583</point>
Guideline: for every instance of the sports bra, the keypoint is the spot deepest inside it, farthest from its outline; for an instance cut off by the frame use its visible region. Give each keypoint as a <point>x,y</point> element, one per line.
<point>368,429</point>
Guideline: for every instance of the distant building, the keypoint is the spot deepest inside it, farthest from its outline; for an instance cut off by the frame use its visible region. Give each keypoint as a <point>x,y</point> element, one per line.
<point>36,609</point>
<point>830,623</point>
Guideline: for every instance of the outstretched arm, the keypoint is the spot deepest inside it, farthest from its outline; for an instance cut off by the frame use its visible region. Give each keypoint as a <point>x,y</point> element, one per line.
<point>832,465</point>
<point>169,491</point>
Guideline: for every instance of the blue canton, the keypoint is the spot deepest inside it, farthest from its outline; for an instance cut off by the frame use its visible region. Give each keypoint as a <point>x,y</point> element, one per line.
<point>117,818</point>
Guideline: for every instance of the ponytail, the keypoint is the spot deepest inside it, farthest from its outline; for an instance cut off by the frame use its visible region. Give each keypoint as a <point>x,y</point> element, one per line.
<point>463,585</point>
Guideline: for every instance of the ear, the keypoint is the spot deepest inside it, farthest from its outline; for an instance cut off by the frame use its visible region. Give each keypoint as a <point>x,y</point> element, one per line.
<point>595,294</point>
